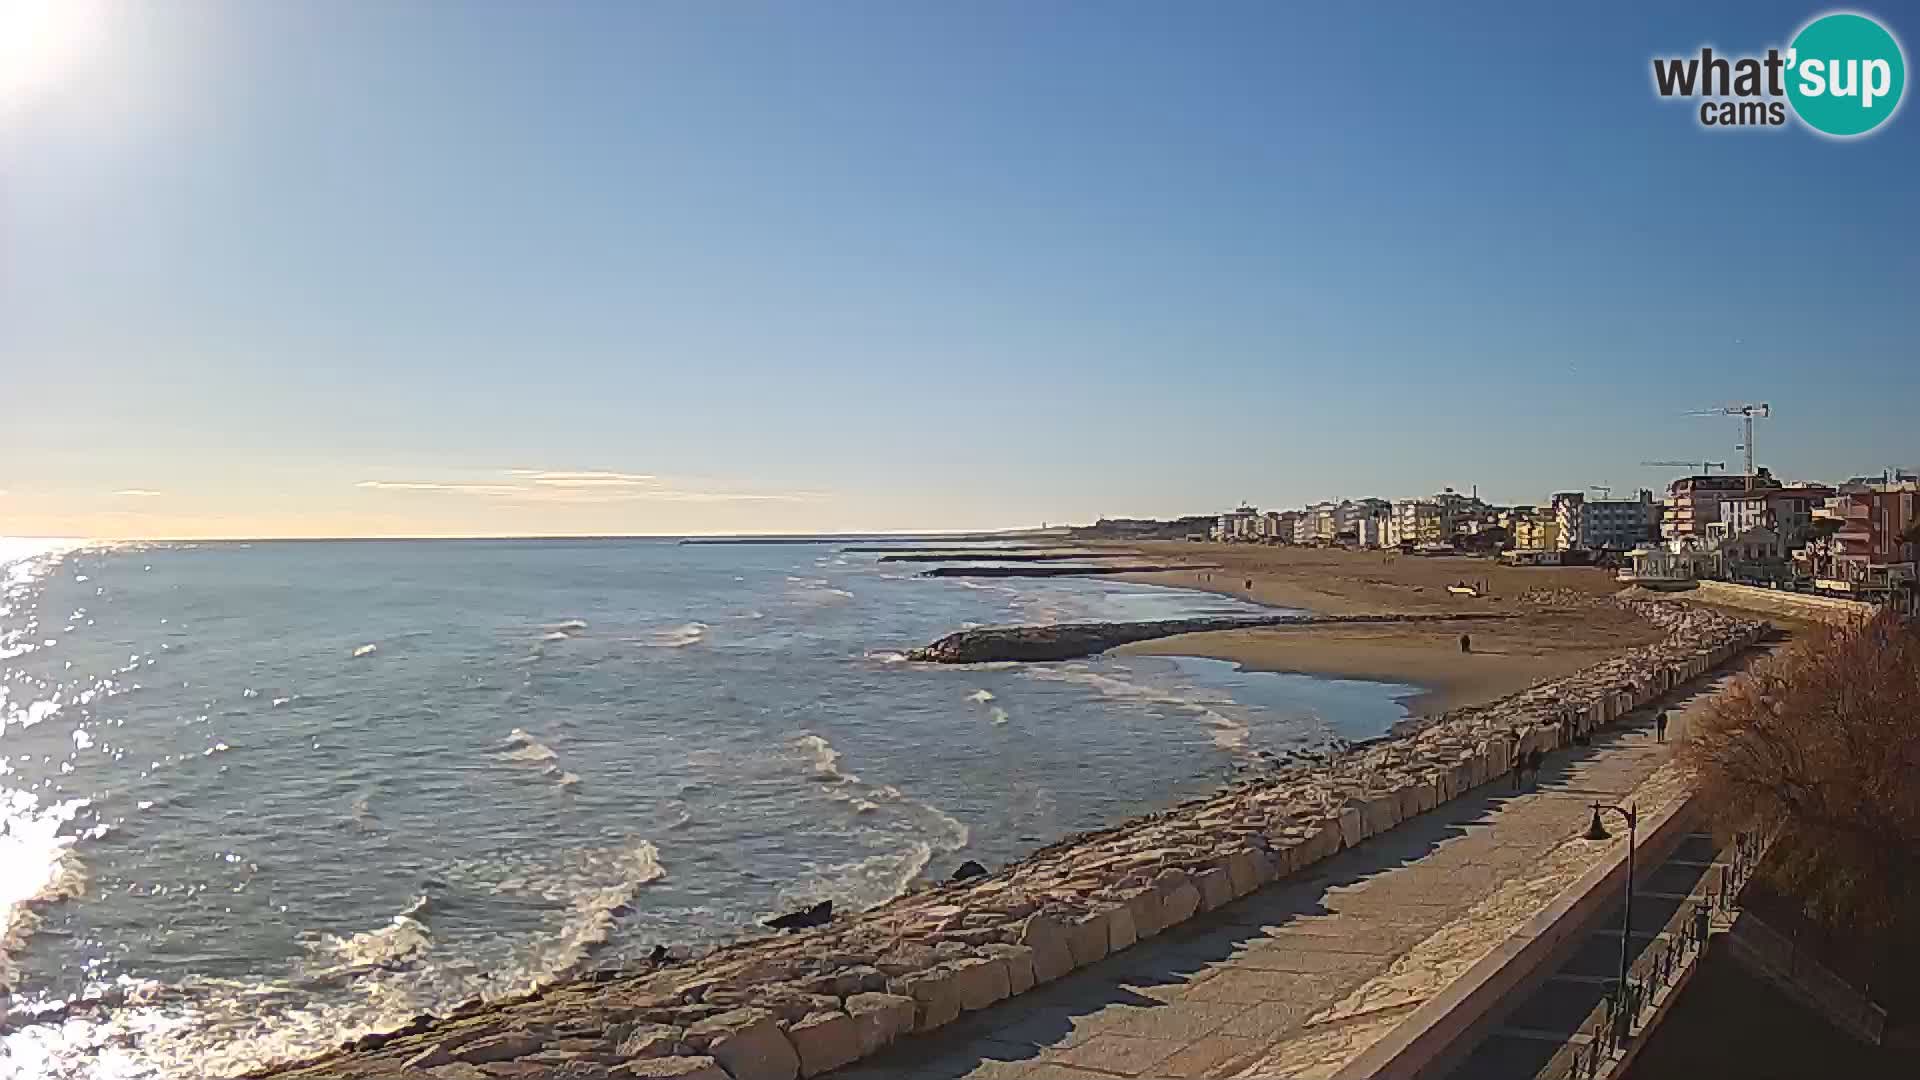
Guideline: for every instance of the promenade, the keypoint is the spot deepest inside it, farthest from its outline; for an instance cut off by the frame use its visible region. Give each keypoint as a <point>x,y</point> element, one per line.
<point>1299,978</point>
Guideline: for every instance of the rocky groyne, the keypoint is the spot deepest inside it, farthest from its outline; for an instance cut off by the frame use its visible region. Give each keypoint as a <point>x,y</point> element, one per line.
<point>1070,641</point>
<point>800,1005</point>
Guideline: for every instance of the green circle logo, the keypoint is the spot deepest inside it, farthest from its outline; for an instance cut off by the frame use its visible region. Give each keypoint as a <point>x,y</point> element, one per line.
<point>1845,74</point>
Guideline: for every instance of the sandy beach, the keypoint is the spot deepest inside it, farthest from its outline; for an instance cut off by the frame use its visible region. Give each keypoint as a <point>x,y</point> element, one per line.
<point>1553,635</point>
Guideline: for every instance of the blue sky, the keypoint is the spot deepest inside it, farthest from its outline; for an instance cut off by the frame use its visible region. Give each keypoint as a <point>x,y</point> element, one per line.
<point>356,267</point>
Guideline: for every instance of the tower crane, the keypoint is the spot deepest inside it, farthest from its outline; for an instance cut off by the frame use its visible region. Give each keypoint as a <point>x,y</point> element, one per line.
<point>1747,413</point>
<point>1706,467</point>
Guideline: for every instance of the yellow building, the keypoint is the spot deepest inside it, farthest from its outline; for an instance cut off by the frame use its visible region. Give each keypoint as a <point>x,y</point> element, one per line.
<point>1536,532</point>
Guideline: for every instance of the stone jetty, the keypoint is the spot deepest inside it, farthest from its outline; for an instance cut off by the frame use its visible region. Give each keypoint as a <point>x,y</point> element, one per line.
<point>1069,641</point>
<point>800,1005</point>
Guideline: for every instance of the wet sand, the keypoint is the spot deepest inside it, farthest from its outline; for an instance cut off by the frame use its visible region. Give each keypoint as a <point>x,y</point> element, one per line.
<point>1554,635</point>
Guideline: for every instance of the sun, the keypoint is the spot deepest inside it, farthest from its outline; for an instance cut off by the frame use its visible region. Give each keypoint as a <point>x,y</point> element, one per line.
<point>41,41</point>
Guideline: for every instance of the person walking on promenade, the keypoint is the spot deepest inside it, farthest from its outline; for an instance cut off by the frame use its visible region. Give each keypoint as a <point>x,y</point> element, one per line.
<point>1660,726</point>
<point>1466,643</point>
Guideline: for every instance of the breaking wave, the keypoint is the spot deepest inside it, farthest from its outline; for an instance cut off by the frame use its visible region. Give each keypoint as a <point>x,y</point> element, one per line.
<point>913,831</point>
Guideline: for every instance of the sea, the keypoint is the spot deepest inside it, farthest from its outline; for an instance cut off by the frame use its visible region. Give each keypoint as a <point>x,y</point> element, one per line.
<point>260,798</point>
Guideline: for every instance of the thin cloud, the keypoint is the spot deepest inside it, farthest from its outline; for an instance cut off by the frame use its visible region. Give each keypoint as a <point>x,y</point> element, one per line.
<point>137,493</point>
<point>428,485</point>
<point>589,487</point>
<point>584,478</point>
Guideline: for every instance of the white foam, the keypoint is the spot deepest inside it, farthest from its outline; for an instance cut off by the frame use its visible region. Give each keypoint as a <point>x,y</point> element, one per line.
<point>402,940</point>
<point>38,866</point>
<point>1226,731</point>
<point>982,696</point>
<point>896,817</point>
<point>678,637</point>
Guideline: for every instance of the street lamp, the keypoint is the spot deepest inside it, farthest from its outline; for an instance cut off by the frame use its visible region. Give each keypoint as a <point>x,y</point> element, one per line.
<point>1598,831</point>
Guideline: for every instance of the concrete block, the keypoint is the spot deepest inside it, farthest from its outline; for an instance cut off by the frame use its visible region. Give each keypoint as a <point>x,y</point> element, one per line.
<point>1179,905</point>
<point>1019,961</point>
<point>748,1044</point>
<point>1088,938</point>
<point>1408,797</point>
<point>935,994</point>
<point>1352,826</point>
<point>1216,888</point>
<point>1148,920</point>
<point>1121,933</point>
<point>980,981</point>
<point>825,1041</point>
<point>878,1019</point>
<point>1382,813</point>
<point>1051,944</point>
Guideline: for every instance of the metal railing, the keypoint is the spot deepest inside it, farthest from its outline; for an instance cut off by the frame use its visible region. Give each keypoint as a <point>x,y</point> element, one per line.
<point>1612,1023</point>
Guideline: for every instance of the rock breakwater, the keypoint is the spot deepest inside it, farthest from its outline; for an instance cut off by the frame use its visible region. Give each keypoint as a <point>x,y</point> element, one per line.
<point>803,1004</point>
<point>1069,641</point>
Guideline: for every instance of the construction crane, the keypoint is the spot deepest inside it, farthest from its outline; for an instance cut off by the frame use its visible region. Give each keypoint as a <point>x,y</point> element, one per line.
<point>1706,467</point>
<point>1746,414</point>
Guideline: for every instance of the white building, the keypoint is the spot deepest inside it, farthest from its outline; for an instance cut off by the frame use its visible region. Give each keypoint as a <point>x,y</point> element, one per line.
<point>1621,524</point>
<point>1570,519</point>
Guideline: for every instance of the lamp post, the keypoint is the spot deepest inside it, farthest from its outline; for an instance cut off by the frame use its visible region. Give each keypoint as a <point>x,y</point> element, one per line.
<point>1598,831</point>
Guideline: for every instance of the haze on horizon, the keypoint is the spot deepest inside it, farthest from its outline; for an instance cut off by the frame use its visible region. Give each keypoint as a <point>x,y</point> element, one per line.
<point>356,268</point>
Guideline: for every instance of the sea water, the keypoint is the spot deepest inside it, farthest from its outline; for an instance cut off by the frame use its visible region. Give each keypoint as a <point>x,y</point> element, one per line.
<point>256,799</point>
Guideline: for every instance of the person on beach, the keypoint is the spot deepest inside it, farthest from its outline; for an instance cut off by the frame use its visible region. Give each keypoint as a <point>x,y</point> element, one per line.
<point>1466,643</point>
<point>1660,726</point>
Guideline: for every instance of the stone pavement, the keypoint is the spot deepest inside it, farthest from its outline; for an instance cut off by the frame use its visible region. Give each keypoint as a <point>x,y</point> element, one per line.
<point>1300,977</point>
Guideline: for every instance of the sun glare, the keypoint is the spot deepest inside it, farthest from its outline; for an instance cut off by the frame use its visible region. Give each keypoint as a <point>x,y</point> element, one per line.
<point>41,41</point>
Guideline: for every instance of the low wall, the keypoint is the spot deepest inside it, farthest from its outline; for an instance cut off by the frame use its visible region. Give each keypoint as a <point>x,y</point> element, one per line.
<point>1790,605</point>
<point>801,1005</point>
<point>1431,1042</point>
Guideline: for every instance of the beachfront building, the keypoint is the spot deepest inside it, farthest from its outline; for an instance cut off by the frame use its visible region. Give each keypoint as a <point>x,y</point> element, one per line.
<point>1319,523</point>
<point>1238,525</point>
<point>1570,519</point>
<point>1419,521</point>
<point>1535,531</point>
<point>1789,510</point>
<point>1277,525</point>
<point>1620,524</point>
<point>1871,541</point>
<point>1693,502</point>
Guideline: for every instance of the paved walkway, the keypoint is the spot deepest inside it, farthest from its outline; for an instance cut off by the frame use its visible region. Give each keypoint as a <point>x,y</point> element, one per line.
<point>1297,979</point>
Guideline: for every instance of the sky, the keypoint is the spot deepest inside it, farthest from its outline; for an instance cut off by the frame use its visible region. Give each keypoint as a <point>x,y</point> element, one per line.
<point>363,268</point>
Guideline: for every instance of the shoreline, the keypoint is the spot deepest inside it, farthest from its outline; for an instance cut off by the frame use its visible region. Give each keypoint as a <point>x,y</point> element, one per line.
<point>1561,626</point>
